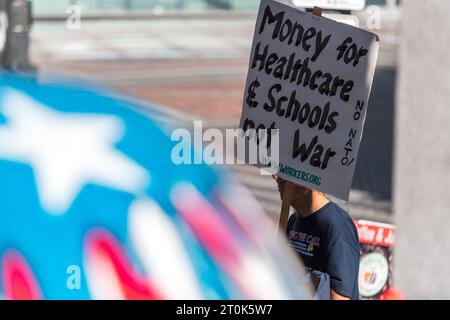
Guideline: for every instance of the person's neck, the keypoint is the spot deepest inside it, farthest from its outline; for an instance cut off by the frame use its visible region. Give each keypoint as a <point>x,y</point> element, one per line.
<point>310,203</point>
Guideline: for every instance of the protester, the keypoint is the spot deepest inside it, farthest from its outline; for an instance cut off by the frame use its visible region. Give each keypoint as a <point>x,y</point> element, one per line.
<point>325,238</point>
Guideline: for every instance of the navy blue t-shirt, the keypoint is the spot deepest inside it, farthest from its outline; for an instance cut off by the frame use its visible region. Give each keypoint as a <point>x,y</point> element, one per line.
<point>327,241</point>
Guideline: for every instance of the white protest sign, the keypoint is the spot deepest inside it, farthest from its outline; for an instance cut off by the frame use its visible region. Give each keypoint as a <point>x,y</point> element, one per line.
<point>310,77</point>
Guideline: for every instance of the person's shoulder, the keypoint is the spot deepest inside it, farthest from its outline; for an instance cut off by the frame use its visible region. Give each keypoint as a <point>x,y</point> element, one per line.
<point>339,221</point>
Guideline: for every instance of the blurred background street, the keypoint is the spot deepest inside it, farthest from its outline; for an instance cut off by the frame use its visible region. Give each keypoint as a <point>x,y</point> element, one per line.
<point>190,58</point>
<point>187,60</point>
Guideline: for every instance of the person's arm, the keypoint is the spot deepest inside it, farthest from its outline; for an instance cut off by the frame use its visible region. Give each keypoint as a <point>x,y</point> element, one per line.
<point>342,266</point>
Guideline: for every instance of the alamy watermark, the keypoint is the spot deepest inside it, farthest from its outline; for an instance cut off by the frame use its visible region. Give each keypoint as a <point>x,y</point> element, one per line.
<point>260,146</point>
<point>372,13</point>
<point>73,21</point>
<point>73,281</point>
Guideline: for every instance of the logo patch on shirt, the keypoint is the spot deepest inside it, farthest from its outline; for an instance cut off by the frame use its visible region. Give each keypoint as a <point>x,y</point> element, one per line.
<point>304,243</point>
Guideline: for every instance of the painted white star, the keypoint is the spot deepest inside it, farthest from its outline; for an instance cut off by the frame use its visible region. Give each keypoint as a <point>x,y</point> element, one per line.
<point>66,150</point>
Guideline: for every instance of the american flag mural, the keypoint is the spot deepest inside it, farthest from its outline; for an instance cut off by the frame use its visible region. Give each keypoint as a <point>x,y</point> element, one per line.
<point>92,207</point>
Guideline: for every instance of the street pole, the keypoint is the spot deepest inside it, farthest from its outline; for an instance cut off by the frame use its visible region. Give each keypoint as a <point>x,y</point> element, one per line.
<point>15,56</point>
<point>3,25</point>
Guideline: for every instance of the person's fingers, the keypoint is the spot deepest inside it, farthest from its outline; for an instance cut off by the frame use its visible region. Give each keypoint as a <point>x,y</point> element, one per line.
<point>280,180</point>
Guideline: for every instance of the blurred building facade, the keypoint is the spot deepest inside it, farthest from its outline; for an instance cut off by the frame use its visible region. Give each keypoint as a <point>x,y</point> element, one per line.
<point>44,7</point>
